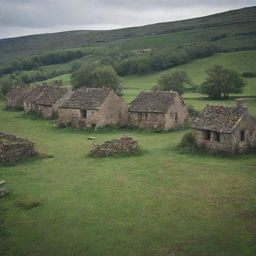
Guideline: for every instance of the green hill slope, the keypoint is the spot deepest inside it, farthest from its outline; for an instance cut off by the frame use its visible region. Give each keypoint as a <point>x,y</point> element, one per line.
<point>229,30</point>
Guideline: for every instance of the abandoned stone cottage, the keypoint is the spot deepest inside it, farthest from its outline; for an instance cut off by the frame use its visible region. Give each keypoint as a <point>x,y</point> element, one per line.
<point>49,100</point>
<point>225,128</point>
<point>93,107</point>
<point>29,101</point>
<point>158,110</point>
<point>16,96</point>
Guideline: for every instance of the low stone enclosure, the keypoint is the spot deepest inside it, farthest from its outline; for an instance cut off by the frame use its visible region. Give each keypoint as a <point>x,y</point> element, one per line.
<point>122,146</point>
<point>13,149</point>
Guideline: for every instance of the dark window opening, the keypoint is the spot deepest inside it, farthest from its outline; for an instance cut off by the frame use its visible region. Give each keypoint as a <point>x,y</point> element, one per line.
<point>93,126</point>
<point>120,115</point>
<point>139,116</point>
<point>207,135</point>
<point>242,135</point>
<point>217,136</point>
<point>83,113</point>
<point>176,117</point>
<point>146,116</point>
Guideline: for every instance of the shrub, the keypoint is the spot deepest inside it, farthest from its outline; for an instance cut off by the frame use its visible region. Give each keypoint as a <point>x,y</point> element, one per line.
<point>28,204</point>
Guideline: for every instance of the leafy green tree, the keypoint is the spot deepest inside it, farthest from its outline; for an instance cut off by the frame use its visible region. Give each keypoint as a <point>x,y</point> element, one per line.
<point>92,75</point>
<point>221,82</point>
<point>174,81</point>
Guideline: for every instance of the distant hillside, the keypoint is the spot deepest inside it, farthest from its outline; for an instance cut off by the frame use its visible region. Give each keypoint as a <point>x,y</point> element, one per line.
<point>232,30</point>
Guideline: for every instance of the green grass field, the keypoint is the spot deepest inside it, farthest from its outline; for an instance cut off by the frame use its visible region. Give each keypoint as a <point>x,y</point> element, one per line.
<point>160,203</point>
<point>243,61</point>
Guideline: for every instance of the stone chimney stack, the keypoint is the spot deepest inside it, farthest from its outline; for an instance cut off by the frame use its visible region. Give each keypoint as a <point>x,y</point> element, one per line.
<point>239,103</point>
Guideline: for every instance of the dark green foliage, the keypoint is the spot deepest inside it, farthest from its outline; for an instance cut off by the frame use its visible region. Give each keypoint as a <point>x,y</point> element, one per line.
<point>192,111</point>
<point>41,60</point>
<point>7,83</point>
<point>28,204</point>
<point>96,76</point>
<point>160,59</point>
<point>221,82</point>
<point>249,74</point>
<point>174,81</point>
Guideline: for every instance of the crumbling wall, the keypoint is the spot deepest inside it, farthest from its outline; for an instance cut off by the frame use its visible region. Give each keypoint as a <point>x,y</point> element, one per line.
<point>13,149</point>
<point>123,145</point>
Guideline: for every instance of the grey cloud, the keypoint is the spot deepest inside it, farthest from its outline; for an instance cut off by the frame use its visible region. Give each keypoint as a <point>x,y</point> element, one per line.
<point>19,17</point>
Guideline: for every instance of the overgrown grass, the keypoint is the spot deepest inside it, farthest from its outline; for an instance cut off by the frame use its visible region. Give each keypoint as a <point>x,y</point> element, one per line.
<point>160,203</point>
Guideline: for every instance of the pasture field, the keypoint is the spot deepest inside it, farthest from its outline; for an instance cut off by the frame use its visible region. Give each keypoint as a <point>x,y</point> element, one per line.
<point>243,61</point>
<point>160,203</point>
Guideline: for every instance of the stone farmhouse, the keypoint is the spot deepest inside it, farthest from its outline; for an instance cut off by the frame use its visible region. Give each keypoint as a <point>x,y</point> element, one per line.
<point>49,100</point>
<point>158,110</point>
<point>223,128</point>
<point>29,101</point>
<point>15,97</point>
<point>92,108</point>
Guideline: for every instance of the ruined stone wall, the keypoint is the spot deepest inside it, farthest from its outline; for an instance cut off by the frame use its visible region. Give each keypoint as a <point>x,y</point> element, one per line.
<point>13,149</point>
<point>177,115</point>
<point>112,112</point>
<point>116,146</point>
<point>12,103</point>
<point>47,112</point>
<point>230,142</point>
<point>248,126</point>
<point>225,143</point>
<point>143,120</point>
<point>28,107</point>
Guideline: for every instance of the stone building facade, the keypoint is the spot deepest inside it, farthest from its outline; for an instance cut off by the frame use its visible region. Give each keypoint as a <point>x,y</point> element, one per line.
<point>92,108</point>
<point>16,96</point>
<point>224,128</point>
<point>49,100</point>
<point>158,110</point>
<point>29,101</point>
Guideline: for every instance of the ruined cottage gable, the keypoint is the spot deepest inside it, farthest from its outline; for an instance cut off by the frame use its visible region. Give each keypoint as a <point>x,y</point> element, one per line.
<point>35,93</point>
<point>219,118</point>
<point>154,102</point>
<point>50,95</point>
<point>87,98</point>
<point>16,96</point>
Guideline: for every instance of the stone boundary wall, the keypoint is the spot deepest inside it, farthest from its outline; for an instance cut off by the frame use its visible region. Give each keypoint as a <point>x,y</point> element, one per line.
<point>123,145</point>
<point>13,149</point>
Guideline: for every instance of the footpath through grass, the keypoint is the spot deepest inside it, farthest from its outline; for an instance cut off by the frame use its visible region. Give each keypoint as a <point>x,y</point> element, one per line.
<point>160,203</point>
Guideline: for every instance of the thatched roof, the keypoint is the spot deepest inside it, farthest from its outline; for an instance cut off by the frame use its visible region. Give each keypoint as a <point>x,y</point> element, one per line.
<point>158,101</point>
<point>18,93</point>
<point>35,93</point>
<point>219,118</point>
<point>50,95</point>
<point>87,98</point>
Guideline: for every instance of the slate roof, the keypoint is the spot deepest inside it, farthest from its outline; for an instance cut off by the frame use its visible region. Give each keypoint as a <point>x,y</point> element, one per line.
<point>18,93</point>
<point>158,101</point>
<point>87,98</point>
<point>219,118</point>
<point>50,95</point>
<point>35,93</point>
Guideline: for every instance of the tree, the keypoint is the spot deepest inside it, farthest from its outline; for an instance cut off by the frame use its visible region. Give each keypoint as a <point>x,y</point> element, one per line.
<point>174,81</point>
<point>96,76</point>
<point>221,82</point>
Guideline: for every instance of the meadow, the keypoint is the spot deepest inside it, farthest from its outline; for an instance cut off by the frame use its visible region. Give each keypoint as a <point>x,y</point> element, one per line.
<point>242,61</point>
<point>160,203</point>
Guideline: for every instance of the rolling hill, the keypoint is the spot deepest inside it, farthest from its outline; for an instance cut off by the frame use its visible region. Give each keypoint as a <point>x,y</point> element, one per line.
<point>232,30</point>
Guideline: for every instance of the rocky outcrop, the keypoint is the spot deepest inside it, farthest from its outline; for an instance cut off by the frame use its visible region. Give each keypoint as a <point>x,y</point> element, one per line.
<point>123,145</point>
<point>13,149</point>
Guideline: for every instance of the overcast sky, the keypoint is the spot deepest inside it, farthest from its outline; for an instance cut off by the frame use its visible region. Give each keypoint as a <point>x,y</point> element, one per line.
<point>25,17</point>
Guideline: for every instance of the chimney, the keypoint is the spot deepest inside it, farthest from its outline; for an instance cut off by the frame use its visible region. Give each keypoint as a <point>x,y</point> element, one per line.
<point>239,103</point>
